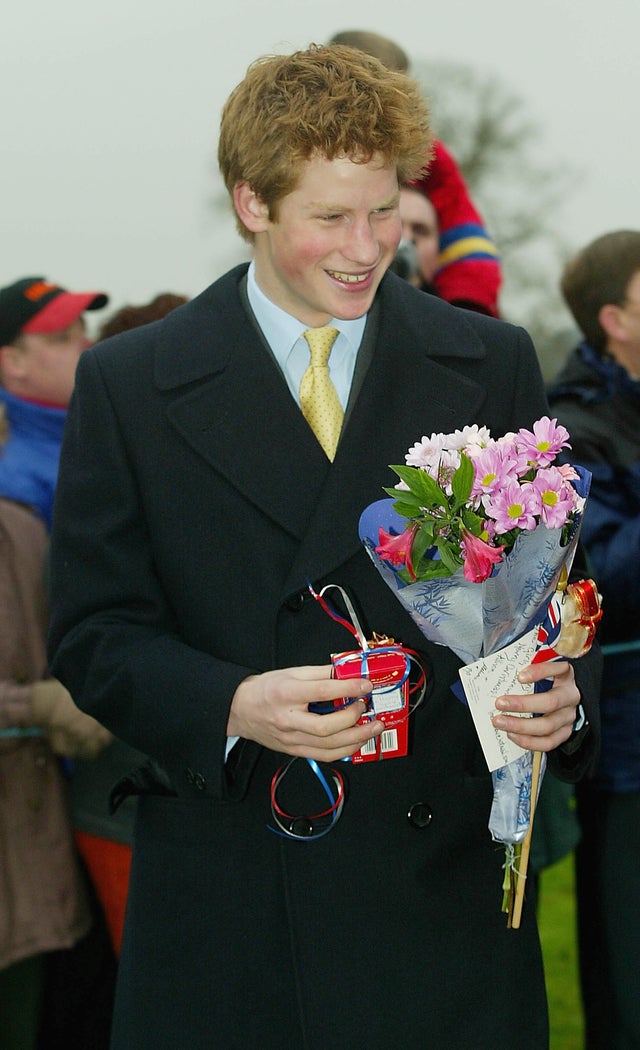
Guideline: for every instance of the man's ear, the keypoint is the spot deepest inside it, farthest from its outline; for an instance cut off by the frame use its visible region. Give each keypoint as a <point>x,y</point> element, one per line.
<point>611,322</point>
<point>12,362</point>
<point>252,211</point>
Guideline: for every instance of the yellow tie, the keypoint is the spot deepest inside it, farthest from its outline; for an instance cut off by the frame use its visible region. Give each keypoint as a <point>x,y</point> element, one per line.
<point>318,397</point>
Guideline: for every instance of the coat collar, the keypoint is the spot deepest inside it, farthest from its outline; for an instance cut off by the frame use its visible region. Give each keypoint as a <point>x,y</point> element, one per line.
<point>229,401</point>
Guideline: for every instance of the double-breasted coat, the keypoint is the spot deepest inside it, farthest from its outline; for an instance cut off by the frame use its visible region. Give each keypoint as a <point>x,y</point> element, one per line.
<point>194,503</point>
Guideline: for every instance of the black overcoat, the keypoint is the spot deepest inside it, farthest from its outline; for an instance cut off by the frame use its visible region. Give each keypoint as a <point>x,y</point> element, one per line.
<point>193,505</point>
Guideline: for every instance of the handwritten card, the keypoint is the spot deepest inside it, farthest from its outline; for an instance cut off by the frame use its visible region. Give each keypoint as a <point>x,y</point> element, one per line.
<point>487,679</point>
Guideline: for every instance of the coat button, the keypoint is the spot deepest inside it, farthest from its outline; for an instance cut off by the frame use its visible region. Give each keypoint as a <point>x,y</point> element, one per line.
<point>301,827</point>
<point>419,815</point>
<point>197,780</point>
<point>295,601</point>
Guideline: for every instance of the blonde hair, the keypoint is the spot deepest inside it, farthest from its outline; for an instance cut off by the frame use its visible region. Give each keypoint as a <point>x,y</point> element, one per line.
<point>330,101</point>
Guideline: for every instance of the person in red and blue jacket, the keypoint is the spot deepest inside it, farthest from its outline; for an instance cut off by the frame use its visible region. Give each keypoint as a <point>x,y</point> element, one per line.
<point>469,272</point>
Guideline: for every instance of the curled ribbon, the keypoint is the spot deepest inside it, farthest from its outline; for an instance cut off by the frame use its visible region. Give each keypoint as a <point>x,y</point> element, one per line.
<point>310,828</point>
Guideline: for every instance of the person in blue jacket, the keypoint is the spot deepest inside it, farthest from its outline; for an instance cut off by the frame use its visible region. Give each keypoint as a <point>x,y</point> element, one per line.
<point>597,397</point>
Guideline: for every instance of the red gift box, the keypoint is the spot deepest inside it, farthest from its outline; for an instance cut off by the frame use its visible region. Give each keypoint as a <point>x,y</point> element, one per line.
<point>388,670</point>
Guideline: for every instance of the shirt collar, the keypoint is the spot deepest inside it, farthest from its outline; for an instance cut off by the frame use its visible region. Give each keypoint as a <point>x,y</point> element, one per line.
<point>282,331</point>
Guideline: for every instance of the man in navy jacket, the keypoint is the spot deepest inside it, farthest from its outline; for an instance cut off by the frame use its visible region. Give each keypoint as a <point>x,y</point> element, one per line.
<point>194,504</point>
<point>597,397</point>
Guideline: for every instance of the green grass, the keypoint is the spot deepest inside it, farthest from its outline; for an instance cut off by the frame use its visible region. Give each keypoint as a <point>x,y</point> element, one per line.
<point>556,917</point>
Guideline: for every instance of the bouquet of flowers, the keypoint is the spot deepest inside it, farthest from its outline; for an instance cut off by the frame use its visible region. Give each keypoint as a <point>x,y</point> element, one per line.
<point>474,542</point>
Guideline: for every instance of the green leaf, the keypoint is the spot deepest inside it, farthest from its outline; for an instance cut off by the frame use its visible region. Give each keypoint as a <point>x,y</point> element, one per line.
<point>422,485</point>
<point>449,557</point>
<point>428,530</point>
<point>422,542</point>
<point>462,480</point>
<point>432,570</point>
<point>471,521</point>
<point>405,503</point>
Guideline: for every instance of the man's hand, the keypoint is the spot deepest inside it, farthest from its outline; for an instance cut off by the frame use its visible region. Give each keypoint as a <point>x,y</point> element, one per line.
<point>273,709</point>
<point>70,732</point>
<point>556,708</point>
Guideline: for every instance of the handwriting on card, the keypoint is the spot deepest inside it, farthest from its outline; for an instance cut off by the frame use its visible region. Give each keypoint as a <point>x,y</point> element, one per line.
<point>487,679</point>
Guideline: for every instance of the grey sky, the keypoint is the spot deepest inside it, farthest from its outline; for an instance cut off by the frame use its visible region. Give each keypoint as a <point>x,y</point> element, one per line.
<point>110,115</point>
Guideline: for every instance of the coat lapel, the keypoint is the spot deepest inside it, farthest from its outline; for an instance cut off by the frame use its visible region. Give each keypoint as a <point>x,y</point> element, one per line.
<point>232,405</point>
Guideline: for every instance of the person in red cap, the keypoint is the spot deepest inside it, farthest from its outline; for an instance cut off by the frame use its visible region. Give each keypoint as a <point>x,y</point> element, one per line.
<point>42,335</point>
<point>43,904</point>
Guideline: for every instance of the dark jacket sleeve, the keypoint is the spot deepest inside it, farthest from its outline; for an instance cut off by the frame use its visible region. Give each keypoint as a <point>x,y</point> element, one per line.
<point>113,638</point>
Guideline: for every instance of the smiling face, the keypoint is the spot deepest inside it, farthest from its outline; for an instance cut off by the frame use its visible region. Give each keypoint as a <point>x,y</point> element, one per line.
<point>326,250</point>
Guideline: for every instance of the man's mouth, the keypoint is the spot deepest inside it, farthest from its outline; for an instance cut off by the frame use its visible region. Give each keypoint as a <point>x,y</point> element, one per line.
<point>349,278</point>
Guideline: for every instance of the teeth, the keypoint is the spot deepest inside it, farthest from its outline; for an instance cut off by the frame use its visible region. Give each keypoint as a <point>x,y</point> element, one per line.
<point>349,278</point>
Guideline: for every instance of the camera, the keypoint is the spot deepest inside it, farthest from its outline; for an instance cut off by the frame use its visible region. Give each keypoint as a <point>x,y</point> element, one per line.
<point>405,261</point>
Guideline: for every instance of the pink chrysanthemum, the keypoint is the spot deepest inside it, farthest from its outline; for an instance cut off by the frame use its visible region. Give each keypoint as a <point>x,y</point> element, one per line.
<point>513,506</point>
<point>556,497</point>
<point>492,467</point>
<point>543,444</point>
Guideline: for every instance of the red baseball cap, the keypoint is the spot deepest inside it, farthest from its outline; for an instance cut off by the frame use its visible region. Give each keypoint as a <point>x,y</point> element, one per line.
<point>36,306</point>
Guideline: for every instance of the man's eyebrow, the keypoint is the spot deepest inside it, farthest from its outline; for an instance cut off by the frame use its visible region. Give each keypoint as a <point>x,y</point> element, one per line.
<point>391,202</point>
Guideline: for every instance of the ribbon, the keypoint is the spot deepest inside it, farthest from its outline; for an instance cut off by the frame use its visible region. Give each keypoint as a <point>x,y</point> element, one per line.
<point>304,828</point>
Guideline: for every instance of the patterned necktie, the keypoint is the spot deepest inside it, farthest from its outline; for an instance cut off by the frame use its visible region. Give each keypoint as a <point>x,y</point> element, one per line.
<point>318,397</point>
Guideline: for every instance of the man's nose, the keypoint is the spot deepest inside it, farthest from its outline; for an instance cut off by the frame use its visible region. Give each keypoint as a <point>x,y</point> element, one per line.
<point>362,245</point>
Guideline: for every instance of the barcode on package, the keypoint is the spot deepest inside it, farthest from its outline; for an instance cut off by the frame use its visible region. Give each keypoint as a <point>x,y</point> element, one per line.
<point>388,742</point>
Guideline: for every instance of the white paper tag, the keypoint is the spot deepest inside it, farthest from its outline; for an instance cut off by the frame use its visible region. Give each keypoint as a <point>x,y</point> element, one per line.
<point>487,679</point>
<point>387,699</point>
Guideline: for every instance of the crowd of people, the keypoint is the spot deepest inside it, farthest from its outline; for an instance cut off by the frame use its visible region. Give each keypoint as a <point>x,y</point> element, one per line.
<point>171,496</point>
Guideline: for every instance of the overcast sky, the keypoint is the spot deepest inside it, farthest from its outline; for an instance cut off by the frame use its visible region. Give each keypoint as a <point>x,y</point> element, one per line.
<point>110,116</point>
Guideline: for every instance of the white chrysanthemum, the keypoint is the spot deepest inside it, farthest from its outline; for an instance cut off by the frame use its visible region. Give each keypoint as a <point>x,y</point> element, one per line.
<point>426,452</point>
<point>469,438</point>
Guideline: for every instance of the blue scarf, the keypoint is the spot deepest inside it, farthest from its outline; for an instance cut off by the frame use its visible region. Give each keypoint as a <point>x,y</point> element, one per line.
<point>29,459</point>
<point>615,378</point>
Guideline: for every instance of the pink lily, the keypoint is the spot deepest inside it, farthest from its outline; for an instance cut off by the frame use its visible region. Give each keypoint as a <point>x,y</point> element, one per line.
<point>478,557</point>
<point>397,549</point>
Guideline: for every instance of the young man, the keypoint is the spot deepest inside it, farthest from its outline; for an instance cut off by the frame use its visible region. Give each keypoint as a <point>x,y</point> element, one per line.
<point>597,397</point>
<point>195,504</point>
